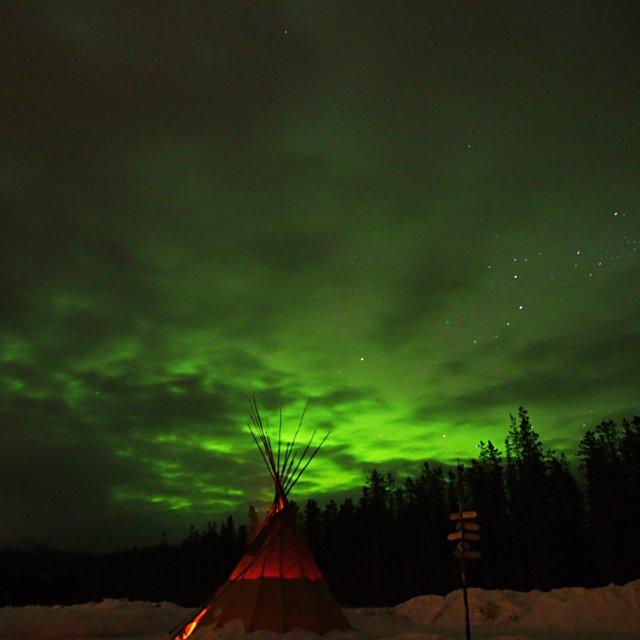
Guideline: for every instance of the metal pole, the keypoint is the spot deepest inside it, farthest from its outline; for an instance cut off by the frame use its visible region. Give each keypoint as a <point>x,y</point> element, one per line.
<point>463,576</point>
<point>467,624</point>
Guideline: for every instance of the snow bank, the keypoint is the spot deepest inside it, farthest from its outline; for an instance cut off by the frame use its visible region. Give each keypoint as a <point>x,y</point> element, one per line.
<point>607,610</point>
<point>109,618</point>
<point>575,609</point>
<point>611,612</point>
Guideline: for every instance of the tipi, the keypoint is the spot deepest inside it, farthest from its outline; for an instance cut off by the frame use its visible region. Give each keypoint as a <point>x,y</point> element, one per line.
<point>277,584</point>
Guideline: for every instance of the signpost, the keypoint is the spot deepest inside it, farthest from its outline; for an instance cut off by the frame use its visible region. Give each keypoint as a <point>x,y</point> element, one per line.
<point>465,533</point>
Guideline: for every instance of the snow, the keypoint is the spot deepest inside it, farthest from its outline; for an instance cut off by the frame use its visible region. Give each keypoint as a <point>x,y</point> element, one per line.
<point>611,612</point>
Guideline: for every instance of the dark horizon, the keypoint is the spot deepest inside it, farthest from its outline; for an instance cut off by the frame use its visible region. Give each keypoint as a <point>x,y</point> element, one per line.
<point>534,527</point>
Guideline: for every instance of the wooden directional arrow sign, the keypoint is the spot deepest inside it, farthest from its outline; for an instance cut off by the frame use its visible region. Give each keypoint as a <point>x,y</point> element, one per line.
<point>468,555</point>
<point>467,526</point>
<point>458,535</point>
<point>466,515</point>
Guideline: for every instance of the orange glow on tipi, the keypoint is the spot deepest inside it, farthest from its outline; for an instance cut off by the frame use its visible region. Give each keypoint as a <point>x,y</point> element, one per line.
<point>277,584</point>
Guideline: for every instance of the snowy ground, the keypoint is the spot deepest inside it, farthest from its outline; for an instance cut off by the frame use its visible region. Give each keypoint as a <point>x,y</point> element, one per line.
<point>611,612</point>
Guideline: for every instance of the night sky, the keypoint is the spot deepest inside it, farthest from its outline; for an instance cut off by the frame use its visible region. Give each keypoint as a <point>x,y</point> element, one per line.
<point>420,215</point>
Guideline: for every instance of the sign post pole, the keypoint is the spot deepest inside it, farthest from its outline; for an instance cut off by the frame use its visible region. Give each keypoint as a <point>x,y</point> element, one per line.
<point>463,576</point>
<point>465,533</point>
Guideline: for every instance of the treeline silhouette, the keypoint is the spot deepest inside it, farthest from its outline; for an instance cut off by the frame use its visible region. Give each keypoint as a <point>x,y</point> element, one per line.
<point>540,528</point>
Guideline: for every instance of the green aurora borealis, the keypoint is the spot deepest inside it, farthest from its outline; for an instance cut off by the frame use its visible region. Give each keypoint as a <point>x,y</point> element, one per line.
<point>420,215</point>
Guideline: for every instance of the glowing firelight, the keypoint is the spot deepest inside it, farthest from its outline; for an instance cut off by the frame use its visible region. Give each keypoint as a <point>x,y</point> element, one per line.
<point>191,627</point>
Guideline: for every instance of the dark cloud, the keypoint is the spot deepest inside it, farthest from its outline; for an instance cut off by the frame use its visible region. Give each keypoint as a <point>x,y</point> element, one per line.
<point>603,357</point>
<point>295,250</point>
<point>419,297</point>
<point>567,370</point>
<point>57,490</point>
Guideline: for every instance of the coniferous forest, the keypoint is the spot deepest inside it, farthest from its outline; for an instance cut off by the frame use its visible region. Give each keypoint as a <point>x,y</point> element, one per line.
<point>541,526</point>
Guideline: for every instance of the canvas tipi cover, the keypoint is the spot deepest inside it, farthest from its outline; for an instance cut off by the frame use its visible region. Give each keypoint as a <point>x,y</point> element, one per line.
<point>277,584</point>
